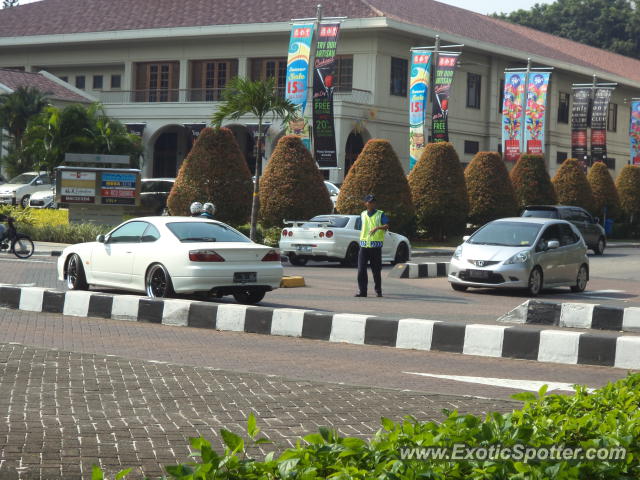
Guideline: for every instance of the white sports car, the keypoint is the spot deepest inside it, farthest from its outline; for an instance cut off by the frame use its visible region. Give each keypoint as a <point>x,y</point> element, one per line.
<point>165,255</point>
<point>335,238</point>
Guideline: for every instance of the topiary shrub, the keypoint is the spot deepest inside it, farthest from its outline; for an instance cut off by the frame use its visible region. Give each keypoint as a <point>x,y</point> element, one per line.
<point>439,192</point>
<point>489,189</point>
<point>531,182</point>
<point>572,186</point>
<point>377,170</point>
<point>292,187</point>
<point>214,171</point>
<point>628,185</point>
<point>604,191</point>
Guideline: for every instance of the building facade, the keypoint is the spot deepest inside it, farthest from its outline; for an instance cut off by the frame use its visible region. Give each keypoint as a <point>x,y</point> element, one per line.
<point>163,73</point>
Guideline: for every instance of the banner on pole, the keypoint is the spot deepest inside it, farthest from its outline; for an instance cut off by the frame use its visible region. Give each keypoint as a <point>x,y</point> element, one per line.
<point>297,78</point>
<point>599,113</point>
<point>634,132</point>
<point>579,123</point>
<point>418,95</point>
<point>512,115</point>
<point>444,77</point>
<point>324,135</point>
<point>536,112</point>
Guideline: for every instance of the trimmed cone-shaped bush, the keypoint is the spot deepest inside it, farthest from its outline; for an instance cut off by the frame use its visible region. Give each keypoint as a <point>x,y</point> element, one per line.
<point>531,182</point>
<point>628,185</point>
<point>439,192</point>
<point>292,187</point>
<point>489,189</point>
<point>378,171</point>
<point>572,186</point>
<point>214,171</point>
<point>604,191</point>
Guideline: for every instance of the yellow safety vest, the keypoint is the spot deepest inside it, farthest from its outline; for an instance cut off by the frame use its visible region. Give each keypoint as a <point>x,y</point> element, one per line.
<point>368,224</point>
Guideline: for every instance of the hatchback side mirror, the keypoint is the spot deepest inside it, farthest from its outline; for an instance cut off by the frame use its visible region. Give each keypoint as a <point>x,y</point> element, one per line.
<point>553,244</point>
<point>39,182</point>
<point>100,239</point>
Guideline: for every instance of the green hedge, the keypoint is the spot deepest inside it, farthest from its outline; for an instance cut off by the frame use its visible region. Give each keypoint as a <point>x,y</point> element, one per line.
<point>71,233</point>
<point>609,417</point>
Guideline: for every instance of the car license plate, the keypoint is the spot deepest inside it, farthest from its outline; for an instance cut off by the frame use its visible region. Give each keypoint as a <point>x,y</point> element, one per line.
<point>303,248</point>
<point>245,277</point>
<point>480,274</point>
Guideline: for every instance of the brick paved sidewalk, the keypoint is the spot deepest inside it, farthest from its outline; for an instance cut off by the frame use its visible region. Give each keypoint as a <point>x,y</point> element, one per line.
<point>65,411</point>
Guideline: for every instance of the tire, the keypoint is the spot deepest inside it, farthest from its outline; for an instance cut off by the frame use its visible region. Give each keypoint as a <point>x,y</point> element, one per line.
<point>600,246</point>
<point>351,257</point>
<point>249,296</point>
<point>581,279</point>
<point>535,282</point>
<point>402,254</point>
<point>158,282</point>
<point>297,261</point>
<point>24,203</point>
<point>459,288</point>
<point>22,246</point>
<point>76,279</point>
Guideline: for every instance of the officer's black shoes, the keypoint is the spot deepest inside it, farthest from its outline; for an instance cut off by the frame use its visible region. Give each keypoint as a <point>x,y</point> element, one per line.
<point>378,294</point>
<point>360,295</point>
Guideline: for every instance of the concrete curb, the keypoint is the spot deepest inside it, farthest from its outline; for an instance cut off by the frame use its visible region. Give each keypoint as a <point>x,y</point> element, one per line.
<point>468,339</point>
<point>292,282</point>
<point>420,270</point>
<point>575,315</point>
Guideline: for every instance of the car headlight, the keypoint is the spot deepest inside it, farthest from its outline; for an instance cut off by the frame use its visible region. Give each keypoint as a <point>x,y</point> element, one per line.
<point>520,257</point>
<point>458,252</point>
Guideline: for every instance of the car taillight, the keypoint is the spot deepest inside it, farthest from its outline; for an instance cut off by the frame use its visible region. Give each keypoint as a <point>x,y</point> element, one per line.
<point>284,232</point>
<point>291,233</point>
<point>205,256</point>
<point>321,234</point>
<point>271,256</point>
<point>329,234</point>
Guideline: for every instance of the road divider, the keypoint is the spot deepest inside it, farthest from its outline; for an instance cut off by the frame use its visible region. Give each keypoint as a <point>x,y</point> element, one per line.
<point>420,270</point>
<point>499,341</point>
<point>292,282</point>
<point>575,315</point>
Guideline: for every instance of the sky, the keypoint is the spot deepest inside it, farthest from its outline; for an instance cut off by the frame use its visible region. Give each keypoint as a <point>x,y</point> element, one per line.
<point>480,6</point>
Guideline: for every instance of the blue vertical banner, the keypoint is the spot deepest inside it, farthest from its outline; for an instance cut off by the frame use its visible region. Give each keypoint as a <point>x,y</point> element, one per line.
<point>513,115</point>
<point>535,113</point>
<point>297,78</point>
<point>418,96</point>
<point>634,132</point>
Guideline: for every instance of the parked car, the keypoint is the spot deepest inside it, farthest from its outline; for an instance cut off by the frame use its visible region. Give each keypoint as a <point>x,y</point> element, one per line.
<point>162,256</point>
<point>18,190</point>
<point>44,199</point>
<point>590,228</point>
<point>335,238</point>
<point>154,193</point>
<point>333,192</point>
<point>530,253</point>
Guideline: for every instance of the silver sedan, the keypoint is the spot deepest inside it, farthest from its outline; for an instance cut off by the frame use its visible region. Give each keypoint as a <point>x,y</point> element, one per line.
<point>530,253</point>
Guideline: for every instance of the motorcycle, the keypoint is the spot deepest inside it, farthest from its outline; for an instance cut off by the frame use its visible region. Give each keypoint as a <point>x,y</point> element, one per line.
<point>17,243</point>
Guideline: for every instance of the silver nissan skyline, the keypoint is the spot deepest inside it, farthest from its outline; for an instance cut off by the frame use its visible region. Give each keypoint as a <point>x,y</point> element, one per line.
<point>527,253</point>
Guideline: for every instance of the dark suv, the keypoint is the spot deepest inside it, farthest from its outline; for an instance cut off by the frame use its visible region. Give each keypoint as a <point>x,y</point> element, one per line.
<point>154,193</point>
<point>592,232</point>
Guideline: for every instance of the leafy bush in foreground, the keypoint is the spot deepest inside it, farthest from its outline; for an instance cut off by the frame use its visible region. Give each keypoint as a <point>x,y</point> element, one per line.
<point>609,417</point>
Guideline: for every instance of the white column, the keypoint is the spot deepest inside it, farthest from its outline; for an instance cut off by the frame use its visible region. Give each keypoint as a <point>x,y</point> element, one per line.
<point>127,80</point>
<point>243,67</point>
<point>183,82</point>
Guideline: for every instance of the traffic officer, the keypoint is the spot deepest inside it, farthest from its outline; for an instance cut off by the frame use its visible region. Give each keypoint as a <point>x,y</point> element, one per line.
<point>374,224</point>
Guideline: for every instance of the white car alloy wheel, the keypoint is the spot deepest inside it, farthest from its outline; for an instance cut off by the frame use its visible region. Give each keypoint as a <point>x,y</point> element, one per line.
<point>76,279</point>
<point>581,280</point>
<point>158,282</point>
<point>535,282</point>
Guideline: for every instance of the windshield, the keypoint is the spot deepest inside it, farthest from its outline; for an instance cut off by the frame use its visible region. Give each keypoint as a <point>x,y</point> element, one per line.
<point>540,213</point>
<point>205,232</point>
<point>333,221</point>
<point>23,178</point>
<point>508,234</point>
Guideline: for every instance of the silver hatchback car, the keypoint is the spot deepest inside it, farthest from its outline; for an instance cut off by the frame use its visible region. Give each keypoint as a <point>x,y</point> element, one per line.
<point>530,253</point>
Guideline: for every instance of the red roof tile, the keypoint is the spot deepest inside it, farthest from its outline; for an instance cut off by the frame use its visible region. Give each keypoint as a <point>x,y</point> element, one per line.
<point>49,17</point>
<point>14,79</point>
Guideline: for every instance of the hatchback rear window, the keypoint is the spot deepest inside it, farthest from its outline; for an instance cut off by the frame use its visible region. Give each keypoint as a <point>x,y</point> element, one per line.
<point>540,213</point>
<point>193,232</point>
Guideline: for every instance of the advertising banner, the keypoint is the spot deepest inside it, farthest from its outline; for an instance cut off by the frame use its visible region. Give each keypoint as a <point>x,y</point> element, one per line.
<point>535,112</point>
<point>599,113</point>
<point>634,132</point>
<point>297,78</point>
<point>77,187</point>
<point>118,188</point>
<point>443,79</point>
<point>324,135</point>
<point>579,123</point>
<point>418,95</point>
<point>512,115</point>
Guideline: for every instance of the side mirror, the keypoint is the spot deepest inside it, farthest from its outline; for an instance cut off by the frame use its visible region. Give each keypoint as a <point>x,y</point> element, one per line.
<point>39,182</point>
<point>553,244</point>
<point>100,239</point>
<point>596,220</point>
<point>466,237</point>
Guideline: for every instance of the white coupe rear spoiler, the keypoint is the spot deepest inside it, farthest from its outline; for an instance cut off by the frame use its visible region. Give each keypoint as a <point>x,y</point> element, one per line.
<point>298,223</point>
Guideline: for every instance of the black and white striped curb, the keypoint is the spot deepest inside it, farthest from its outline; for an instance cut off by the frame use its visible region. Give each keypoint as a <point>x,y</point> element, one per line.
<point>575,315</point>
<point>484,340</point>
<point>420,270</point>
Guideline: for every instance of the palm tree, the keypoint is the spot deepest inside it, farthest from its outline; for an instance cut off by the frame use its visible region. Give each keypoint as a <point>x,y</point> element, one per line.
<point>17,108</point>
<point>260,98</point>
